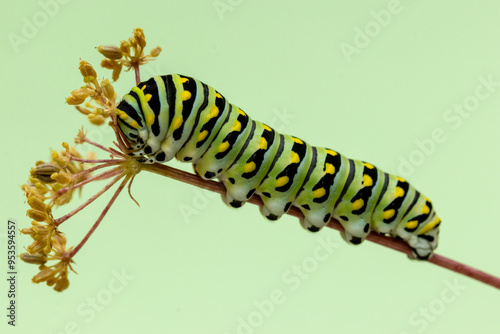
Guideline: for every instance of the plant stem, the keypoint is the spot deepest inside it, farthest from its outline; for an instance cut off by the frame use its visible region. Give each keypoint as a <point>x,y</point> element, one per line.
<point>93,169</point>
<point>114,152</point>
<point>92,161</point>
<point>137,74</point>
<point>103,213</point>
<point>62,219</point>
<point>394,244</point>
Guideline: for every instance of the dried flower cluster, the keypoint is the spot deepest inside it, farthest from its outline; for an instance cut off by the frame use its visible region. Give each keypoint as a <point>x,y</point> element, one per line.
<point>102,96</point>
<point>129,54</point>
<point>52,184</point>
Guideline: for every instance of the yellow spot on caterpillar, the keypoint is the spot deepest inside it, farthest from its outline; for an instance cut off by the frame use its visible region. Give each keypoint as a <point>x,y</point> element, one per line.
<point>150,119</point>
<point>319,193</point>
<point>183,80</point>
<point>134,124</point>
<point>148,97</point>
<point>266,128</point>
<point>282,181</point>
<point>331,152</point>
<point>249,167</point>
<point>401,179</point>
<point>367,165</point>
<point>295,158</point>
<point>224,146</point>
<point>214,112</point>
<point>177,123</point>
<point>399,192</point>
<point>358,204</point>
<point>185,95</point>
<point>263,143</point>
<point>425,210</point>
<point>329,168</point>
<point>237,126</point>
<point>297,140</point>
<point>411,224</point>
<point>241,112</point>
<point>218,95</point>
<point>367,181</point>
<point>122,114</point>
<point>388,214</point>
<point>202,135</point>
<point>430,226</point>
<point>143,87</point>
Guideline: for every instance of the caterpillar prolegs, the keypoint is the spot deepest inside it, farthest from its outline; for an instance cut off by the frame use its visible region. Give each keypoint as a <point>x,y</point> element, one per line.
<point>178,116</point>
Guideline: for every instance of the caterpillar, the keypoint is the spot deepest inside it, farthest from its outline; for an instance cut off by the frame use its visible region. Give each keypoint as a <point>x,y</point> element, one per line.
<point>176,116</point>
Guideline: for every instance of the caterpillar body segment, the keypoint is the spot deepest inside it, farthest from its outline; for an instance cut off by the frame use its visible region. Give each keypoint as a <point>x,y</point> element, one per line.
<point>178,116</point>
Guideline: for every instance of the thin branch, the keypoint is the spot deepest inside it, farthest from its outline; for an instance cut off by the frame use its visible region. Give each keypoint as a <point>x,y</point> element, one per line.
<point>92,161</point>
<point>97,167</point>
<point>394,244</point>
<point>103,213</point>
<point>137,74</point>
<point>103,175</point>
<point>62,219</point>
<point>114,152</point>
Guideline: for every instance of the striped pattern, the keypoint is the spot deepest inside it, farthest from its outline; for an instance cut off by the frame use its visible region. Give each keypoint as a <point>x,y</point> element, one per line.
<point>177,116</point>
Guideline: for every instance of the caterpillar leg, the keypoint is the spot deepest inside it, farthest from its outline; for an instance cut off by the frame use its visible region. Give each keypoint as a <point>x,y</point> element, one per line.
<point>419,228</point>
<point>178,116</point>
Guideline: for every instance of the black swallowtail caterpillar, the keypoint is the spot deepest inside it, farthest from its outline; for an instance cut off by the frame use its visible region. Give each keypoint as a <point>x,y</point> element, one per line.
<point>178,116</point>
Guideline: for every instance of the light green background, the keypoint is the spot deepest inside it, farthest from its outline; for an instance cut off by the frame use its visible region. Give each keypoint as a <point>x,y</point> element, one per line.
<point>202,273</point>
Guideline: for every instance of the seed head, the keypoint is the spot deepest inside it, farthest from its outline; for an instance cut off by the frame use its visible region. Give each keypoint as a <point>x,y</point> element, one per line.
<point>86,69</point>
<point>110,51</point>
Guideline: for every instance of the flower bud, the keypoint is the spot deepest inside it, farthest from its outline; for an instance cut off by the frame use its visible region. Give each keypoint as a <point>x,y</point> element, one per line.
<point>83,110</point>
<point>96,119</point>
<point>108,89</point>
<point>110,51</point>
<point>37,215</point>
<point>125,47</point>
<point>108,63</point>
<point>36,203</point>
<point>139,36</point>
<point>43,172</point>
<point>37,258</point>
<point>155,52</point>
<point>78,96</point>
<point>27,230</point>
<point>62,177</point>
<point>86,69</point>
<point>43,275</point>
<point>36,246</point>
<point>116,73</point>
<point>62,284</point>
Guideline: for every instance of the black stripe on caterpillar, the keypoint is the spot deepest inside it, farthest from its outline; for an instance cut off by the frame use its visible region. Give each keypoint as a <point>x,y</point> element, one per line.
<point>178,116</point>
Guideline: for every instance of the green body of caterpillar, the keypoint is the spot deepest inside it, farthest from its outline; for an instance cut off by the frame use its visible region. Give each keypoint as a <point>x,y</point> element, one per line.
<point>177,116</point>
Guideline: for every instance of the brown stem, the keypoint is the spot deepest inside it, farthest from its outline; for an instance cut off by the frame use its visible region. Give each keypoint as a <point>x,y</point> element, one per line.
<point>113,152</point>
<point>137,74</point>
<point>103,213</point>
<point>93,169</point>
<point>104,175</point>
<point>92,161</point>
<point>394,244</point>
<point>62,219</point>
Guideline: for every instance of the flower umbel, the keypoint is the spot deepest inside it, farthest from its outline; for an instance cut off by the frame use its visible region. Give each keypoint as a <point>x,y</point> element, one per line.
<point>52,184</point>
<point>129,54</point>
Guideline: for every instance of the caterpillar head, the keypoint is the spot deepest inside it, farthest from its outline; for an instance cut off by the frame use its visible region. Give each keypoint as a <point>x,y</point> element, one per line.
<point>132,125</point>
